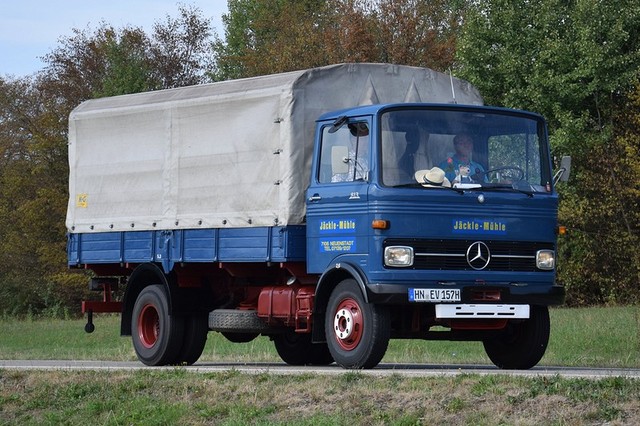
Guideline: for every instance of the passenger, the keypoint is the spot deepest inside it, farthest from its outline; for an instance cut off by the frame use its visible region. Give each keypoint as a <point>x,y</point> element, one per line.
<point>416,156</point>
<point>463,145</point>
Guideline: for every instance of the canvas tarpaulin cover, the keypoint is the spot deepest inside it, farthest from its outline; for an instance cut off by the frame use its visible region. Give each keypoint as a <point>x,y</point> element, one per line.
<point>228,154</point>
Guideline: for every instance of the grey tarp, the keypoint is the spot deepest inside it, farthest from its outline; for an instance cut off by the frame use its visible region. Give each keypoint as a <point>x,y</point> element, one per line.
<point>228,154</point>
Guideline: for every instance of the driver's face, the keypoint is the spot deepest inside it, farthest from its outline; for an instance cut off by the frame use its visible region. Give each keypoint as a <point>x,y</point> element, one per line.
<point>464,146</point>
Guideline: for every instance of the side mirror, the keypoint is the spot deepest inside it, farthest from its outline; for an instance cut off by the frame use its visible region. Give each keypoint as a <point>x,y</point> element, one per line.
<point>563,173</point>
<point>565,165</point>
<point>340,121</point>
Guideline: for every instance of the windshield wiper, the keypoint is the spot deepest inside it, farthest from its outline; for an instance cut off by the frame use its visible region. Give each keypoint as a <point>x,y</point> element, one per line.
<point>504,186</point>
<point>408,185</point>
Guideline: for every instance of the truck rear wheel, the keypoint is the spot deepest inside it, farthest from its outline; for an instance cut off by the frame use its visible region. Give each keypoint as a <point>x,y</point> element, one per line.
<point>297,349</point>
<point>239,337</point>
<point>195,338</point>
<point>522,345</point>
<point>157,336</point>
<point>357,332</point>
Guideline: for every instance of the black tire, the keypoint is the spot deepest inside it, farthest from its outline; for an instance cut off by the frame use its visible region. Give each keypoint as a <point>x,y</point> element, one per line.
<point>239,337</point>
<point>157,336</point>
<point>357,332</point>
<point>522,345</point>
<point>236,321</point>
<point>195,338</point>
<point>297,349</point>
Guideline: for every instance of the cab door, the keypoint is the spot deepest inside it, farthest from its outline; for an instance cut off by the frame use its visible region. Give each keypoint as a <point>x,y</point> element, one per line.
<point>337,209</point>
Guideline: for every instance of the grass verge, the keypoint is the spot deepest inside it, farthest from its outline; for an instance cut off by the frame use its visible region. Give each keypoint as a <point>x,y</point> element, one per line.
<point>153,397</point>
<point>580,337</point>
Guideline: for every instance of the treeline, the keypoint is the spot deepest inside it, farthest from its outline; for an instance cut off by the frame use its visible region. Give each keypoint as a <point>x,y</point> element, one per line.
<point>577,63</point>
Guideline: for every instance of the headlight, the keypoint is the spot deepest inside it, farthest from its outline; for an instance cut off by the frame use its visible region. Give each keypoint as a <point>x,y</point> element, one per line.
<point>545,259</point>
<point>398,256</point>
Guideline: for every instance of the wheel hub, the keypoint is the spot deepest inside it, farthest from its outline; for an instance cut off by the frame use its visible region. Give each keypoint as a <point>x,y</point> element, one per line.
<point>148,326</point>
<point>348,324</point>
<point>343,324</point>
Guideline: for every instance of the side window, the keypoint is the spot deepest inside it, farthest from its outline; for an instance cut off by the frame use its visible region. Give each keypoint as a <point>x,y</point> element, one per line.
<point>344,153</point>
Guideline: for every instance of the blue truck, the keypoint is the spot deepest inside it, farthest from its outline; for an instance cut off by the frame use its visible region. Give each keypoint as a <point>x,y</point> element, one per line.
<point>331,209</point>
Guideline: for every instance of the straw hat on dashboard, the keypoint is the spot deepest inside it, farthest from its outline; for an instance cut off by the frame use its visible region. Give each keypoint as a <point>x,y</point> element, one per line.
<point>432,178</point>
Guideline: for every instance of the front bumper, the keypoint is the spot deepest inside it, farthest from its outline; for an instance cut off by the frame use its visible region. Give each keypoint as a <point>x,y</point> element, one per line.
<point>397,294</point>
<point>490,311</point>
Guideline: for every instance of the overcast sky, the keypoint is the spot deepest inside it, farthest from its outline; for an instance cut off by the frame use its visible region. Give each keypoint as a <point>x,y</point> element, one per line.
<point>29,29</point>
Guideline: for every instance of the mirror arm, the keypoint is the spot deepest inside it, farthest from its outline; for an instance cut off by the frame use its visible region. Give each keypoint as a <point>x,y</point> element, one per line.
<point>558,176</point>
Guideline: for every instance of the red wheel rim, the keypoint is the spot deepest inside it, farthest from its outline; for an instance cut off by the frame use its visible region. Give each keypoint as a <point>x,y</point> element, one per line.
<point>348,324</point>
<point>148,326</point>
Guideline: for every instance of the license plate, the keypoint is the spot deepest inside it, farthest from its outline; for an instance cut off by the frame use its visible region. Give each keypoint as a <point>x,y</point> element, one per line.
<point>434,295</point>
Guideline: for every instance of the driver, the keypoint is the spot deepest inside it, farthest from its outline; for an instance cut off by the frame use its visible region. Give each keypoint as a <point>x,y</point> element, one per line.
<point>463,145</point>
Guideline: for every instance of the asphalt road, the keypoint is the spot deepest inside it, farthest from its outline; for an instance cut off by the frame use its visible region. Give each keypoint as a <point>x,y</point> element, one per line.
<point>408,370</point>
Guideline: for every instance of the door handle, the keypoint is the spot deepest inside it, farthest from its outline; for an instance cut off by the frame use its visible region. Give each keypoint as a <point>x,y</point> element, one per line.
<point>315,197</point>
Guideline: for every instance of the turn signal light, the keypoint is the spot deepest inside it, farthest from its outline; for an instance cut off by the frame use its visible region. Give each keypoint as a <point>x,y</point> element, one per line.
<point>562,230</point>
<point>380,224</point>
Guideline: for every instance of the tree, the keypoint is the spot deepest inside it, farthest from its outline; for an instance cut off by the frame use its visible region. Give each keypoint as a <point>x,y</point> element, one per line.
<point>110,61</point>
<point>420,33</point>
<point>576,63</point>
<point>33,144</point>
<point>32,201</point>
<point>273,36</point>
<point>97,63</point>
<point>128,67</point>
<point>284,35</point>
<point>181,49</point>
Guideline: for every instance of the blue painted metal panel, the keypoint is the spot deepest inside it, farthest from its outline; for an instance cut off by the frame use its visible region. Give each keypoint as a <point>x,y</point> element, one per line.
<point>139,246</point>
<point>72,249</point>
<point>447,215</point>
<point>247,244</point>
<point>264,244</point>
<point>288,244</point>
<point>195,245</point>
<point>296,243</point>
<point>102,247</point>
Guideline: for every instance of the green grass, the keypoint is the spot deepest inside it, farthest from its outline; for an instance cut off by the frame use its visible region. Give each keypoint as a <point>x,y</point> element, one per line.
<point>580,337</point>
<point>597,337</point>
<point>178,396</point>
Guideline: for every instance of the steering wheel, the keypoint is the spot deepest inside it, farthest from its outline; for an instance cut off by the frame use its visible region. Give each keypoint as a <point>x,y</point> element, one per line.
<point>513,174</point>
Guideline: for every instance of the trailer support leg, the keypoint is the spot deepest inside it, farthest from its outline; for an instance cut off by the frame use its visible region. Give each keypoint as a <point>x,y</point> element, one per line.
<point>106,285</point>
<point>89,327</point>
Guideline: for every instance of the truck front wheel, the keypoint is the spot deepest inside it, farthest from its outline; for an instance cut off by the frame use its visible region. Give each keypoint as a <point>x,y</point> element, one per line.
<point>357,332</point>
<point>157,336</point>
<point>522,345</point>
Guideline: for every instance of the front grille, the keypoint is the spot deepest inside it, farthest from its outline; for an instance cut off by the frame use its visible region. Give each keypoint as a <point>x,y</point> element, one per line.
<point>452,254</point>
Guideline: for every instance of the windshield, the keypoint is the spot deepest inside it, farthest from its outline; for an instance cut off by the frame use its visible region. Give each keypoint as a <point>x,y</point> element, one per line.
<point>473,147</point>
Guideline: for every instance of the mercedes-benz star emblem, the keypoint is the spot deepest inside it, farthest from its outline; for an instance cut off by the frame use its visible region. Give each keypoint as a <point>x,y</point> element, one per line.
<point>478,255</point>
